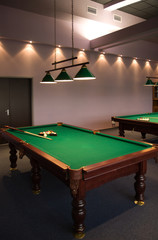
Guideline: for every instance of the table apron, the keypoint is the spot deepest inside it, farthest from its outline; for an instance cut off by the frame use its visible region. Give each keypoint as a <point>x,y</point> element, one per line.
<point>98,180</point>
<point>139,127</point>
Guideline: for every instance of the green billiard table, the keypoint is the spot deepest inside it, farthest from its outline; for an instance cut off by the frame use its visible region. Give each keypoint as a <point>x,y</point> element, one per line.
<point>83,159</point>
<point>144,123</point>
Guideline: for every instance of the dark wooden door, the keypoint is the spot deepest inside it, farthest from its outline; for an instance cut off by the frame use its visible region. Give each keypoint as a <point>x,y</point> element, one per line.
<point>15,102</point>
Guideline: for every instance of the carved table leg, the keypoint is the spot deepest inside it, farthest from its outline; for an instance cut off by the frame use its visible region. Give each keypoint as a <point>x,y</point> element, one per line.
<point>36,176</point>
<point>121,131</point>
<point>78,209</point>
<point>140,189</point>
<point>13,157</point>
<point>143,135</point>
<point>78,215</point>
<point>156,158</point>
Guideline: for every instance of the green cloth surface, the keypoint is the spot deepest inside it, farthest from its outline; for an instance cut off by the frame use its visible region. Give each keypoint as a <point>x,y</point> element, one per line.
<point>153,117</point>
<point>76,147</point>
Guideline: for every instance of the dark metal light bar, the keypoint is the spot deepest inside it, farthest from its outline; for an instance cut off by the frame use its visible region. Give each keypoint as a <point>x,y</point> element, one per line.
<point>74,65</point>
<point>54,63</point>
<point>152,77</point>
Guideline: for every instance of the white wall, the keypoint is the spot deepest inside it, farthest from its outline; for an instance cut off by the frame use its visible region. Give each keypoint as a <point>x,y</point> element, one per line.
<point>141,48</point>
<point>118,89</point>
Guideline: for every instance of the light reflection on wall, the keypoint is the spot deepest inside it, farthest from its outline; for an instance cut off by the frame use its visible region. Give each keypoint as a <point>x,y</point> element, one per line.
<point>101,58</point>
<point>135,65</point>
<point>120,69</point>
<point>101,64</point>
<point>147,67</point>
<point>135,69</point>
<point>28,51</point>
<point>91,29</point>
<point>147,63</point>
<point>29,48</point>
<point>5,60</point>
<point>119,59</point>
<point>28,58</point>
<point>59,54</point>
<point>2,49</point>
<point>82,56</point>
<point>134,62</point>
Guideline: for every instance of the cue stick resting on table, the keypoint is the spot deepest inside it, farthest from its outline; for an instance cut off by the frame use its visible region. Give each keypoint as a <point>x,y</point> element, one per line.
<point>16,129</point>
<point>154,117</point>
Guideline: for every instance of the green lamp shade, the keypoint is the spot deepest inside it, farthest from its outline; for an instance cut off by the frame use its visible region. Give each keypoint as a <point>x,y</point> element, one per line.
<point>149,82</point>
<point>63,77</point>
<point>84,74</point>
<point>48,79</point>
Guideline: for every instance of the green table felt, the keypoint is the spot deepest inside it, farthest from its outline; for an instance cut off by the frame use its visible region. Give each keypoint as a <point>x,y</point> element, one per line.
<point>76,147</point>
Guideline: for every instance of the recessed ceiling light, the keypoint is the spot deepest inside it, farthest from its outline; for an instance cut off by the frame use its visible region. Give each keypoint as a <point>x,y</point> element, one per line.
<point>118,4</point>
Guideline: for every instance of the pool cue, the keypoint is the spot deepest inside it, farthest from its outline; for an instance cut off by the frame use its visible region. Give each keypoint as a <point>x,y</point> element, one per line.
<point>16,129</point>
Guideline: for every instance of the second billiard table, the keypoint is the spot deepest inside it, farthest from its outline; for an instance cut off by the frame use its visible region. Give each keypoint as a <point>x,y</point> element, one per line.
<point>144,123</point>
<point>83,159</point>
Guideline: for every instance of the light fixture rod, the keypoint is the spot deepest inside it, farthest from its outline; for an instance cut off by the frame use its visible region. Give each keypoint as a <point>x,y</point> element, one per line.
<point>55,29</point>
<point>65,60</point>
<point>74,65</point>
<point>72,11</point>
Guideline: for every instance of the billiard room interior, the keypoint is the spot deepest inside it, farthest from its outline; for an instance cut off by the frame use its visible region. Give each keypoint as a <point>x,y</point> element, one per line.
<point>118,47</point>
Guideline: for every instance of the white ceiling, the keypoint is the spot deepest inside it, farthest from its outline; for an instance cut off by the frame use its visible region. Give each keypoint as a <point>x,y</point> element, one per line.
<point>147,7</point>
<point>144,9</point>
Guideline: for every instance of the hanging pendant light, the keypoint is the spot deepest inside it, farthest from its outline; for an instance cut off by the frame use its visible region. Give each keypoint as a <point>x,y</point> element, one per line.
<point>84,74</point>
<point>48,79</point>
<point>63,77</point>
<point>149,83</point>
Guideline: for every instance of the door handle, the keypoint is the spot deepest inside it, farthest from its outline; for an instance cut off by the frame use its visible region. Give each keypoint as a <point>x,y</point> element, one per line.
<point>7,111</point>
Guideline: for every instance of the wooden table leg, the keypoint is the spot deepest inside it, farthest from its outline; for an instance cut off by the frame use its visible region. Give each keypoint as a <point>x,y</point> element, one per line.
<point>78,208</point>
<point>143,135</point>
<point>36,176</point>
<point>121,130</point>
<point>140,184</point>
<point>13,157</point>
